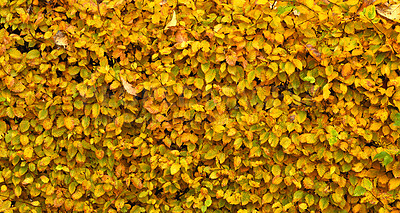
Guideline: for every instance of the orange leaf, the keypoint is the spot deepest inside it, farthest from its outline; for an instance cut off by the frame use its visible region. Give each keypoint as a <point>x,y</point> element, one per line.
<point>347,70</point>
<point>69,123</point>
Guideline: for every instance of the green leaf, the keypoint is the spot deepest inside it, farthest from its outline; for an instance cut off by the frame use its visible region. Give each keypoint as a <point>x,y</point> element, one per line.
<point>381,155</point>
<point>309,79</point>
<point>24,126</point>
<point>283,9</point>
<point>210,154</point>
<point>301,116</point>
<point>396,119</point>
<point>205,67</point>
<point>33,54</point>
<point>385,157</point>
<point>298,195</point>
<point>203,208</point>
<point>208,203</point>
<point>210,75</point>
<point>85,122</point>
<point>387,160</point>
<point>367,184</point>
<point>332,140</point>
<point>323,203</point>
<point>359,191</point>
<point>43,114</point>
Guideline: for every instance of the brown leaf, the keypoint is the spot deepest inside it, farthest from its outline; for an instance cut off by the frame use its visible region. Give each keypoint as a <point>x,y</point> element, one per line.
<point>231,58</point>
<point>391,12</point>
<point>128,87</point>
<point>181,36</point>
<point>314,52</point>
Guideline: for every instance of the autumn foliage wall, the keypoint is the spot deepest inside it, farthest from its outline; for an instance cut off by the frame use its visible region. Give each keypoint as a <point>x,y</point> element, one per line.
<point>199,106</point>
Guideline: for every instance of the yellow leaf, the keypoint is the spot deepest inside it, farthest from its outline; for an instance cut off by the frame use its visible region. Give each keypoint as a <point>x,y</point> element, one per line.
<point>375,126</point>
<point>285,142</point>
<point>219,128</point>
<point>175,168</point>
<point>28,152</point>
<point>128,87</point>
<point>173,21</point>
<point>358,167</point>
<point>15,53</point>
<point>326,91</point>
<point>394,183</point>
<point>198,107</point>
<point>261,2</point>
<point>289,68</point>
<point>228,91</point>
<point>35,203</point>
<point>298,64</point>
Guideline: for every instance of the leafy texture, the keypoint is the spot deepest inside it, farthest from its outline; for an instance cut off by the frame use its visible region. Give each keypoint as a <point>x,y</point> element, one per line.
<point>199,106</point>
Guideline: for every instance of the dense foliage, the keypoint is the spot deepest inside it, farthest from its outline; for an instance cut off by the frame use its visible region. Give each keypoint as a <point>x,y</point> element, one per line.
<point>195,106</point>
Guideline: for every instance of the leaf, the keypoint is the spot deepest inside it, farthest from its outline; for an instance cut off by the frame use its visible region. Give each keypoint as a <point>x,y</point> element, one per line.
<point>210,75</point>
<point>137,182</point>
<point>44,161</point>
<point>210,154</point>
<point>326,91</point>
<point>95,110</point>
<point>391,12</point>
<point>228,91</point>
<point>285,142</point>
<point>347,70</point>
<point>385,157</point>
<point>313,52</point>
<point>119,203</point>
<point>289,68</point>
<point>367,184</point>
<point>5,206</point>
<point>301,116</point>
<point>69,123</point>
<point>370,12</point>
<point>262,2</point>
<point>171,23</point>
<point>128,87</point>
<point>33,54</point>
<point>359,191</point>
<point>175,168</point>
<point>323,203</point>
<point>198,107</point>
<point>24,126</point>
<point>309,79</point>
<point>60,39</point>
<point>396,119</point>
<point>28,152</point>
<point>394,183</point>
<point>298,195</point>
<point>15,53</point>
<point>283,9</point>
